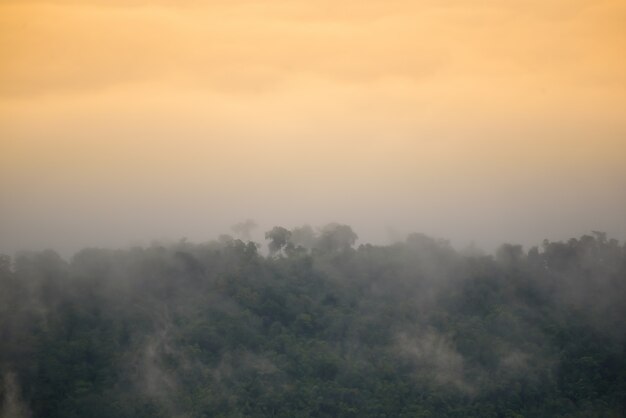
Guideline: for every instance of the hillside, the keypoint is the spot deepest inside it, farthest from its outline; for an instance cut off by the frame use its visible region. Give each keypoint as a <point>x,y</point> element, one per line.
<point>317,328</point>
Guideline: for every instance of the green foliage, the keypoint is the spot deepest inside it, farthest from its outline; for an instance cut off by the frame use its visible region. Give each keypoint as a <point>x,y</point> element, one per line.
<point>413,329</point>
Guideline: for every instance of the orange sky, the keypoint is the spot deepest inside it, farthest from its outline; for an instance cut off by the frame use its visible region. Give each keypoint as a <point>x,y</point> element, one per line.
<point>123,121</point>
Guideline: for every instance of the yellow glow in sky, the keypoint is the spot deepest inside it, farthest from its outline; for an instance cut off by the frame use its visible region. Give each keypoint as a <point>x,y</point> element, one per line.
<point>486,121</point>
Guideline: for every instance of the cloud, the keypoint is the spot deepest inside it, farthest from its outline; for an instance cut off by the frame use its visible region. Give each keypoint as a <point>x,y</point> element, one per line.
<point>115,115</point>
<point>256,47</point>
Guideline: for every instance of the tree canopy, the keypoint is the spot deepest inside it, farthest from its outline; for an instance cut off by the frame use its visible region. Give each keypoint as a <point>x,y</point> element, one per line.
<point>319,328</point>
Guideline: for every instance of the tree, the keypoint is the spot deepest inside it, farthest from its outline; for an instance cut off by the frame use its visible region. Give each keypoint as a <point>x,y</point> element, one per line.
<point>336,237</point>
<point>278,237</point>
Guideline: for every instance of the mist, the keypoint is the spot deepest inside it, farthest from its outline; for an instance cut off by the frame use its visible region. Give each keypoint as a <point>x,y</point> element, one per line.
<point>375,116</point>
<point>315,322</point>
<point>312,209</point>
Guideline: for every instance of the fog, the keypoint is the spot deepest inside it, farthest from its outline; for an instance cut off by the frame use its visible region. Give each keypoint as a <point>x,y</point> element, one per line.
<point>141,121</point>
<point>312,209</point>
<point>317,325</point>
<point>113,184</point>
<point>68,236</point>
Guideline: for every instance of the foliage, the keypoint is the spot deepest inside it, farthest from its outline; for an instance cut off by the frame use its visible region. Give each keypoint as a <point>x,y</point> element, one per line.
<point>318,329</point>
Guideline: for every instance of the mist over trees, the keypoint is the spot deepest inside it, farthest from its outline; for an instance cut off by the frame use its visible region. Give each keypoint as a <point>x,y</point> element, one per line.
<point>316,328</point>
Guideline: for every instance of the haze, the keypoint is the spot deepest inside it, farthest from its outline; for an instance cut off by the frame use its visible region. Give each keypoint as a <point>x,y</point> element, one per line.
<point>474,121</point>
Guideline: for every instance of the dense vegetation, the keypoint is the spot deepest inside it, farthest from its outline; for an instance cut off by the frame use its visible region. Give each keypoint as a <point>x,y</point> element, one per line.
<point>317,328</point>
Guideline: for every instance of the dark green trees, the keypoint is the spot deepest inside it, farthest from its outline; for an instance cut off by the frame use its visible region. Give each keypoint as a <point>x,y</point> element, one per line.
<point>317,329</point>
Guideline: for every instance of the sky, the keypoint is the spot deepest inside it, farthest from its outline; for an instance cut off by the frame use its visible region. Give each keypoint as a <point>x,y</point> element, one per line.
<point>476,121</point>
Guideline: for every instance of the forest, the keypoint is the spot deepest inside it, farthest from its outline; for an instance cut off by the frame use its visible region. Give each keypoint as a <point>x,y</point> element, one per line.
<point>315,326</point>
